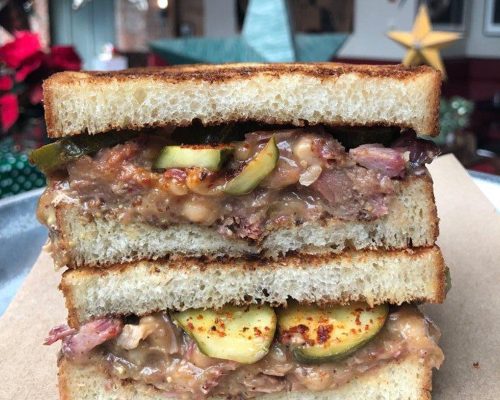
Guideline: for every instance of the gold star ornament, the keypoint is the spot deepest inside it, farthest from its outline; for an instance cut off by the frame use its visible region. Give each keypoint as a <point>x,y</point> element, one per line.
<point>422,43</point>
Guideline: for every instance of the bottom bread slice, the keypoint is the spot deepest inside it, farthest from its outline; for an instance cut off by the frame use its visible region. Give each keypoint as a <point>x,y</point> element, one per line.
<point>395,277</point>
<point>406,379</point>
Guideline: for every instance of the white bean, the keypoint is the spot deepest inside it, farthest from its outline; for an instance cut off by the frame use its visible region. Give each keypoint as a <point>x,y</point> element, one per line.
<point>302,149</point>
<point>177,188</point>
<point>198,211</point>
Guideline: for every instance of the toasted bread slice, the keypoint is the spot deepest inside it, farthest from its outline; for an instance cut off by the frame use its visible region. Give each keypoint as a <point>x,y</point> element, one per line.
<point>407,379</point>
<point>141,288</point>
<point>294,94</point>
<point>80,240</point>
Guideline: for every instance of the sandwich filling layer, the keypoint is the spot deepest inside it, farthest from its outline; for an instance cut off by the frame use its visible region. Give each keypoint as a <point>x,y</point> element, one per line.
<point>243,189</point>
<point>171,352</point>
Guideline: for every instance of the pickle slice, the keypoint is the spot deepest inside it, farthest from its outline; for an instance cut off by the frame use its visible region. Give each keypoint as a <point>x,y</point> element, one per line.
<point>209,157</point>
<point>255,171</point>
<point>241,334</point>
<point>55,155</point>
<point>329,334</point>
<point>51,156</point>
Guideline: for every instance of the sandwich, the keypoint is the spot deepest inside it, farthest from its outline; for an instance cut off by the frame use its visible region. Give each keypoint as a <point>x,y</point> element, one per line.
<point>244,231</point>
<point>307,193</point>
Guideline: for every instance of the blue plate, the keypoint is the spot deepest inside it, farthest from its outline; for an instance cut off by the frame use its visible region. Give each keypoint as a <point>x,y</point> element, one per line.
<point>21,239</point>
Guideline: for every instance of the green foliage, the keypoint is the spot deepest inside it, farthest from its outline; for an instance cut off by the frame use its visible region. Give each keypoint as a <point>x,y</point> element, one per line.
<point>454,115</point>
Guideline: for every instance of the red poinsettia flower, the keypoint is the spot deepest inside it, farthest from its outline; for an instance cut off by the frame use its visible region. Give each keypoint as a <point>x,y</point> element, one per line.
<point>9,111</point>
<point>29,65</point>
<point>25,45</point>
<point>60,58</point>
<point>6,82</point>
<point>63,58</point>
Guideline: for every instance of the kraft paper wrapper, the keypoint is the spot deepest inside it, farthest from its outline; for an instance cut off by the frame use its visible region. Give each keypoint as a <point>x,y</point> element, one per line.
<point>469,319</point>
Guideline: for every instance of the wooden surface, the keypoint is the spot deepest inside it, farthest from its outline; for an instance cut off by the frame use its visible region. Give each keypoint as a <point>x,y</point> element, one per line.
<point>469,319</point>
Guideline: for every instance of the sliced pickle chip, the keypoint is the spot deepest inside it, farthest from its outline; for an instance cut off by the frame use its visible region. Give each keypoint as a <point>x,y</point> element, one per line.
<point>209,157</point>
<point>318,335</point>
<point>55,155</point>
<point>241,334</point>
<point>255,171</point>
<point>50,157</point>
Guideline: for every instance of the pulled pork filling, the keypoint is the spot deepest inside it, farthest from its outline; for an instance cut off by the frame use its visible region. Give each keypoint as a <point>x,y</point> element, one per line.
<point>315,177</point>
<point>154,351</point>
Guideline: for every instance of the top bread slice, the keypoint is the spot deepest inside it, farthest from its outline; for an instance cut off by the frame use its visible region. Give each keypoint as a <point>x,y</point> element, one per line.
<point>330,94</point>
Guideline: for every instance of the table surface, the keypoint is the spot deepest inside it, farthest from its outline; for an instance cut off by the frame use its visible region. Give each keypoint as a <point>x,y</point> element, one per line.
<point>22,236</point>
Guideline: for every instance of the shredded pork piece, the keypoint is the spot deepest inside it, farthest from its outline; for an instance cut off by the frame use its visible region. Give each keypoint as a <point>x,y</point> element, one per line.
<point>420,151</point>
<point>389,162</point>
<point>59,333</point>
<point>77,343</point>
<point>132,334</point>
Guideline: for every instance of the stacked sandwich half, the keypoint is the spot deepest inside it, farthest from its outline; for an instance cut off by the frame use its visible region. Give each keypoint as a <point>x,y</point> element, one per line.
<point>244,231</point>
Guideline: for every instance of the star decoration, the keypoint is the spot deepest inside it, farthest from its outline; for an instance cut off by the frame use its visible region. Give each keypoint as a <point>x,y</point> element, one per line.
<point>422,43</point>
<point>267,36</point>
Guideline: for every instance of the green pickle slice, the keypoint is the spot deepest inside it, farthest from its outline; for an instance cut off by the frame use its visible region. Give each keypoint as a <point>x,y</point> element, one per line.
<point>242,334</point>
<point>50,157</point>
<point>209,157</point>
<point>331,333</point>
<point>255,171</point>
<point>55,155</point>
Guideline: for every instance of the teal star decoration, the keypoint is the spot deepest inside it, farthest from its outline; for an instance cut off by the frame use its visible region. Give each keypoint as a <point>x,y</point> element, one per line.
<point>267,36</point>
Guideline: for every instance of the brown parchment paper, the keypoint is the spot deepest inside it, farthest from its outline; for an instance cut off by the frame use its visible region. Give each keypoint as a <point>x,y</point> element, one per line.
<point>469,319</point>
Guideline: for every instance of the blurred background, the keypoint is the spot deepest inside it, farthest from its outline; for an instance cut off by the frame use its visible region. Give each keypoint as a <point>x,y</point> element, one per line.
<point>41,37</point>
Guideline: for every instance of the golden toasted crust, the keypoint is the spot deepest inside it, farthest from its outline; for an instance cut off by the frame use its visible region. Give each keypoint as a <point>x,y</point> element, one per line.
<point>434,102</point>
<point>215,75</point>
<point>292,260</point>
<point>225,72</point>
<point>434,218</point>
